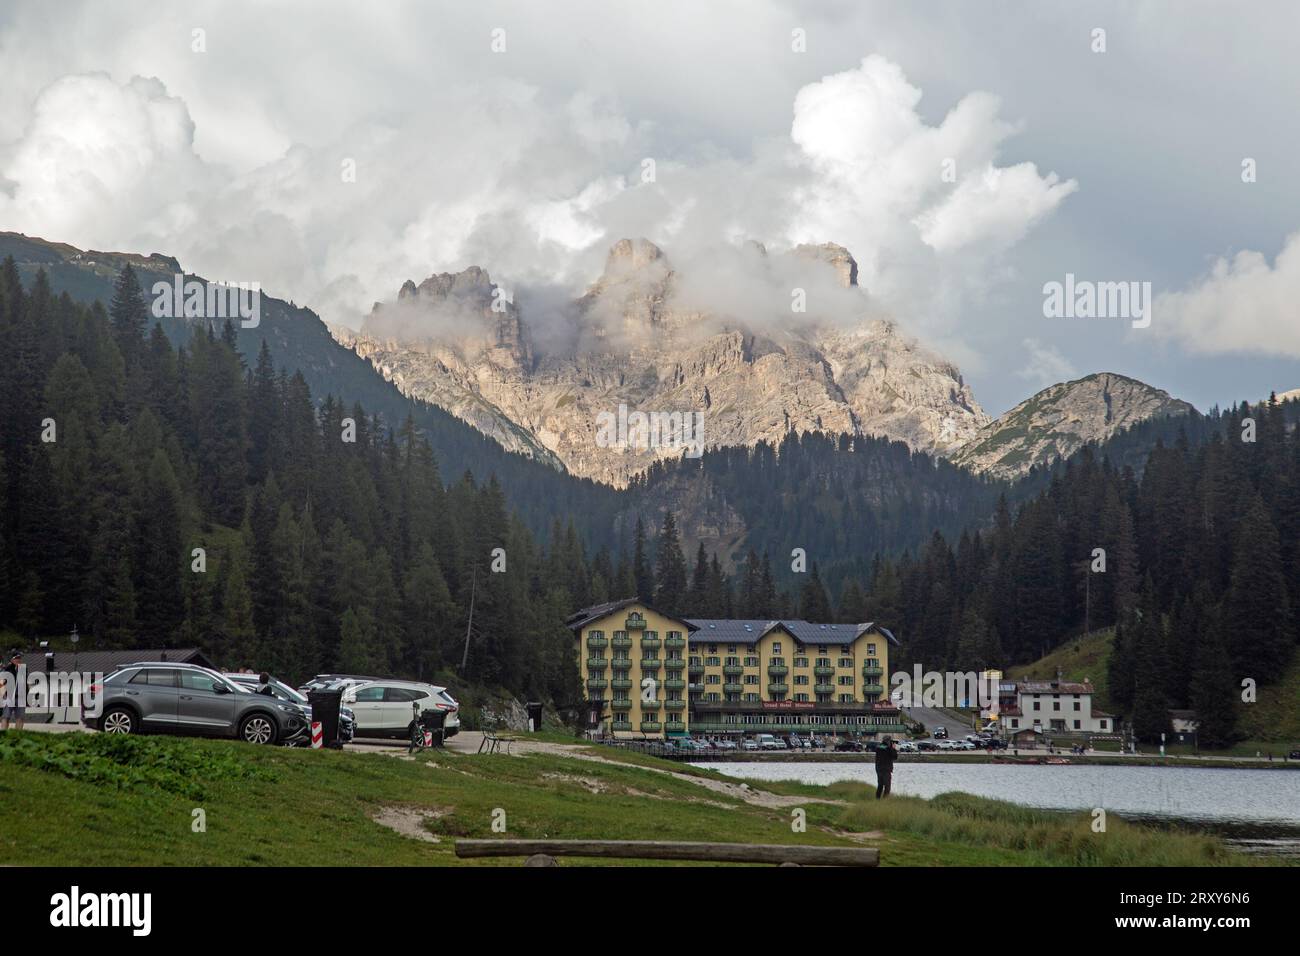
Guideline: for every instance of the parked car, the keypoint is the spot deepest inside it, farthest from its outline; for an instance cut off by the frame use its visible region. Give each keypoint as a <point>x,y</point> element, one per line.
<point>927,745</point>
<point>940,733</point>
<point>335,682</point>
<point>848,746</point>
<point>1293,755</point>
<point>383,708</point>
<point>906,747</point>
<point>963,745</point>
<point>170,698</point>
<point>282,691</point>
<point>749,743</point>
<point>769,742</point>
<point>725,745</point>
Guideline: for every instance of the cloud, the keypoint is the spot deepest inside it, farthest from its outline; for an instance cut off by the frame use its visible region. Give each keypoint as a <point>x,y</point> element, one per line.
<point>1242,305</point>
<point>535,186</point>
<point>1045,365</point>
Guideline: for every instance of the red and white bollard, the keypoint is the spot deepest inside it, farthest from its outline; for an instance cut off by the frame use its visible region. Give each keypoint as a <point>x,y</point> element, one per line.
<point>428,738</point>
<point>317,735</point>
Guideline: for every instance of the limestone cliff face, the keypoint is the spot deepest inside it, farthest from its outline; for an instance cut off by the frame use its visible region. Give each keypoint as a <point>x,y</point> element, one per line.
<point>637,342</point>
<point>1061,419</point>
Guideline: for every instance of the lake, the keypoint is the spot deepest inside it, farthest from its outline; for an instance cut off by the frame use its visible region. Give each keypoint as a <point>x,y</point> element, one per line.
<point>1256,810</point>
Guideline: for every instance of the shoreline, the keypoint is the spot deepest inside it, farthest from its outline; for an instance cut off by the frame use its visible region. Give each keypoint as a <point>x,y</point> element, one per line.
<point>1026,760</point>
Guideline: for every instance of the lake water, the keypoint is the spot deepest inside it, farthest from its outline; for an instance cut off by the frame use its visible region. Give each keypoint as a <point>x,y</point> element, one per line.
<point>1257,810</point>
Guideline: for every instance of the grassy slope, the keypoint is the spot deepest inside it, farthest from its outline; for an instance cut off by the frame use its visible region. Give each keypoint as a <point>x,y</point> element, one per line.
<point>1269,723</point>
<point>295,807</point>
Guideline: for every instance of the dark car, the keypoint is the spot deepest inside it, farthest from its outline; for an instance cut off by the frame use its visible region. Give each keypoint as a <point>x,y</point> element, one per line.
<point>185,699</point>
<point>849,745</point>
<point>282,691</point>
<point>1293,755</point>
<point>941,733</point>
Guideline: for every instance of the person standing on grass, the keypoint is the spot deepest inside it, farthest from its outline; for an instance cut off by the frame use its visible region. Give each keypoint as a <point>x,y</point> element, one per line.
<point>14,693</point>
<point>886,754</point>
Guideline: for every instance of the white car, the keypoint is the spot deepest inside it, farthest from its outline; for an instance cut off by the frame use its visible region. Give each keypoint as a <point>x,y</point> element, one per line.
<point>384,708</point>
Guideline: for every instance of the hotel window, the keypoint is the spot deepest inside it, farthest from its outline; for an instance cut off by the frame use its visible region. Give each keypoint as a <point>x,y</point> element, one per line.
<point>1014,722</point>
<point>620,717</point>
<point>1076,705</point>
<point>776,648</point>
<point>846,662</point>
<point>823,662</point>
<point>801,680</point>
<point>801,662</point>
<point>733,662</point>
<point>845,680</point>
<point>713,678</point>
<point>1056,704</point>
<point>695,662</point>
<point>751,698</point>
<point>1076,725</point>
<point>846,698</point>
<point>596,634</point>
<point>731,648</point>
<point>1036,707</point>
<point>751,678</point>
<point>713,648</point>
<point>712,698</point>
<point>674,634</point>
<point>713,662</point>
<point>871,648</point>
<point>776,662</point>
<point>1103,725</point>
<point>751,661</point>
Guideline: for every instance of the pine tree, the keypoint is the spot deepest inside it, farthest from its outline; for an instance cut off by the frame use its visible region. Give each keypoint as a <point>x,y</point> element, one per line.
<point>670,569</point>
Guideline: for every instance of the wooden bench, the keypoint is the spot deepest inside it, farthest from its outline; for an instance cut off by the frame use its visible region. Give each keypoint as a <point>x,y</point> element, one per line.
<point>543,852</point>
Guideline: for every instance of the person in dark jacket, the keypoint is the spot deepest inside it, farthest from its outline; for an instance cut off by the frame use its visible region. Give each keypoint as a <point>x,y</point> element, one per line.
<point>886,754</point>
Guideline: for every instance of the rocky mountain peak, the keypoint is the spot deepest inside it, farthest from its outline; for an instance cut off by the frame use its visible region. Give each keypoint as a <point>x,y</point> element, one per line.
<point>834,255</point>
<point>1061,419</point>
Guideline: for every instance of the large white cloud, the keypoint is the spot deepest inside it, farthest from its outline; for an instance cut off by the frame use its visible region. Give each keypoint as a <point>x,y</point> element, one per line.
<point>1241,305</point>
<point>531,186</point>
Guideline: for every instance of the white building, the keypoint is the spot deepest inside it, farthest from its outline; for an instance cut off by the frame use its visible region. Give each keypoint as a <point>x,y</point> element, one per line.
<point>1051,706</point>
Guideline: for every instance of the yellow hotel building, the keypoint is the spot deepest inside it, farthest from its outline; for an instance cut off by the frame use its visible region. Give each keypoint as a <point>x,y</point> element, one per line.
<point>732,677</point>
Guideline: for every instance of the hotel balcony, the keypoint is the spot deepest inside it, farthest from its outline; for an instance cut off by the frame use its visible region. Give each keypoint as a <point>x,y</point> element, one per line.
<point>696,670</point>
<point>650,664</point>
<point>595,684</point>
<point>651,727</point>
<point>621,725</point>
<point>675,643</point>
<point>824,688</point>
<point>650,643</point>
<point>872,670</point>
<point>733,670</point>
<point>649,705</point>
<point>873,688</point>
<point>596,663</point>
<point>597,642</point>
<point>623,642</point>
<point>675,705</point>
<point>777,670</point>
<point>778,688</point>
<point>674,683</point>
<point>823,670</point>
<point>621,704</point>
<point>674,664</point>
<point>621,663</point>
<point>675,727</point>
<point>732,688</point>
<point>621,683</point>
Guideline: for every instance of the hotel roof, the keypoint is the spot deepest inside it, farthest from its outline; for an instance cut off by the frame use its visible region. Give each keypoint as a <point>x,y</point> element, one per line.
<point>731,631</point>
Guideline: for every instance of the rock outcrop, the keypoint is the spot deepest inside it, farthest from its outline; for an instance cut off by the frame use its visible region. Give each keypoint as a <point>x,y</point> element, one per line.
<point>635,342</point>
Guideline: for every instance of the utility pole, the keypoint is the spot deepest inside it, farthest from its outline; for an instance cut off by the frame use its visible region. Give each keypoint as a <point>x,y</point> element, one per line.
<point>473,583</point>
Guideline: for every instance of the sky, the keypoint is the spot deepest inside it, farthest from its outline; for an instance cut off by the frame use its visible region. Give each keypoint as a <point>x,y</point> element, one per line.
<point>967,154</point>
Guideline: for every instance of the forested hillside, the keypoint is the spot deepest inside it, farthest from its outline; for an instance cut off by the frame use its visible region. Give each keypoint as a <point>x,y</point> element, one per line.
<point>1197,563</point>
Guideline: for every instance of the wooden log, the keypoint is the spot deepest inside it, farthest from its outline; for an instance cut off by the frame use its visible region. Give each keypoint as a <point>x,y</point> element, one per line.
<point>671,850</point>
<point>540,859</point>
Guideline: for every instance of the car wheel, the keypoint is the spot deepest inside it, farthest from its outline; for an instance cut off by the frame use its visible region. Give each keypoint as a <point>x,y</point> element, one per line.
<point>257,729</point>
<point>118,721</point>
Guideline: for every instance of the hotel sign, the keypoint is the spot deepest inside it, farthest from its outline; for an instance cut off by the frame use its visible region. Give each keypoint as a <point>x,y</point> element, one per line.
<point>788,705</point>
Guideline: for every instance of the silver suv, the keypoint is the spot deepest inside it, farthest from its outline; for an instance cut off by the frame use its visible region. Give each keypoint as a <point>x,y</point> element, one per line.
<point>170,698</point>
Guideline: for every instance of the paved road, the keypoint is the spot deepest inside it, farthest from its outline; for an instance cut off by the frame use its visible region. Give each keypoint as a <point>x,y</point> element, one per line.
<point>931,717</point>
